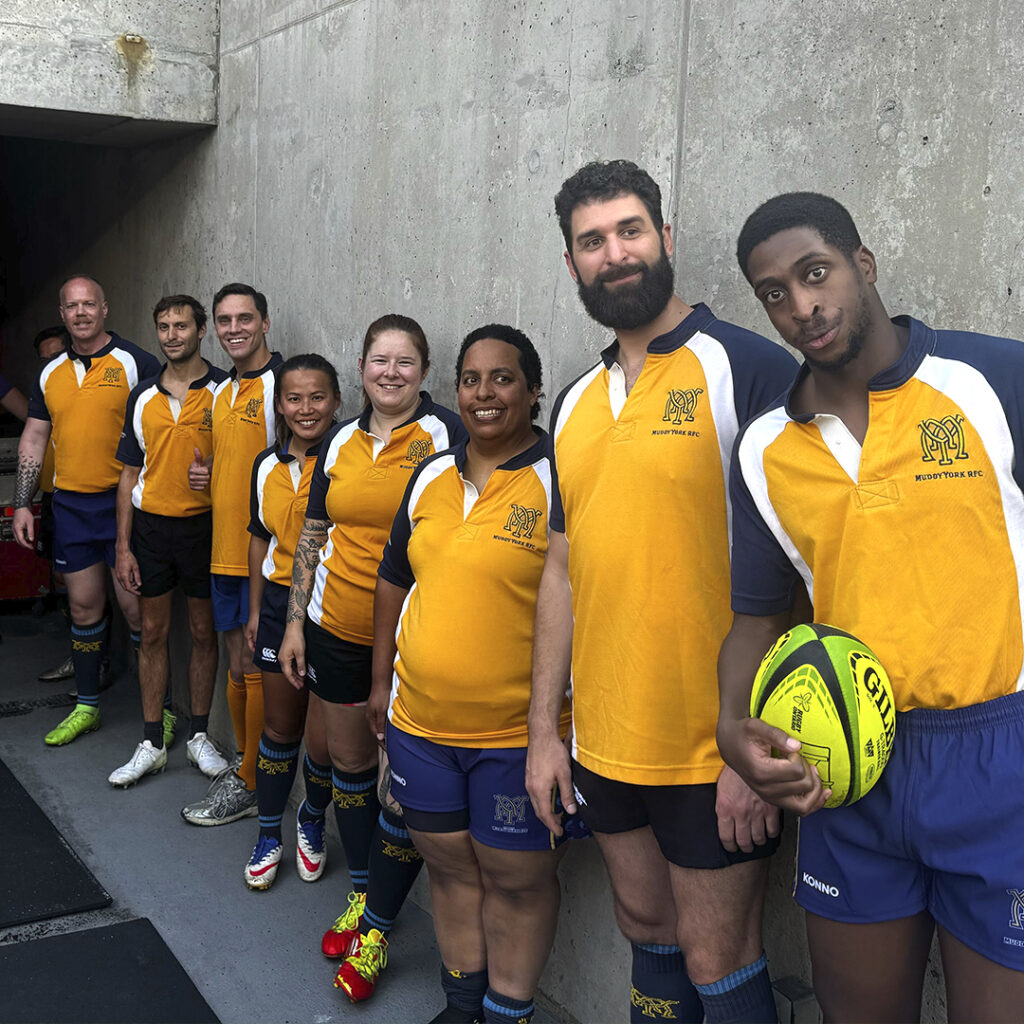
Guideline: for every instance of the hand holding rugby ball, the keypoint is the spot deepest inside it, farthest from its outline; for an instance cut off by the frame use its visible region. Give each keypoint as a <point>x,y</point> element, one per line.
<point>826,689</point>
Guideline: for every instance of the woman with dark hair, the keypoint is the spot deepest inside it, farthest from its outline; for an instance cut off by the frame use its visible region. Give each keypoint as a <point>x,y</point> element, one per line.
<point>306,398</point>
<point>458,586</point>
<point>361,473</point>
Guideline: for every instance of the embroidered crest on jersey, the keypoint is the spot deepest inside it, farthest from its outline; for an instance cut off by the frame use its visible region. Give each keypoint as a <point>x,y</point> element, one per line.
<point>1016,908</point>
<point>522,521</point>
<point>207,423</point>
<point>112,375</point>
<point>943,439</point>
<point>509,809</point>
<point>653,1006</point>
<point>681,405</point>
<point>252,407</point>
<point>418,451</point>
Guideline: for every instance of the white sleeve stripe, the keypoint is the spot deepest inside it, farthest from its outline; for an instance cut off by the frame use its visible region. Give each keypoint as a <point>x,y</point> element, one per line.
<point>760,434</point>
<point>714,361</point>
<point>968,389</point>
<point>572,396</point>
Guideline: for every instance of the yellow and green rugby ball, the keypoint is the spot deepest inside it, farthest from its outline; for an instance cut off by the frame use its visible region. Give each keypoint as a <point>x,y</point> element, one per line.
<point>828,690</point>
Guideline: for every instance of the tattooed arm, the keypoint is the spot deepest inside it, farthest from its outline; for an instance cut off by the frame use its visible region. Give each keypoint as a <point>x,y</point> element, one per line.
<point>292,653</point>
<point>31,449</point>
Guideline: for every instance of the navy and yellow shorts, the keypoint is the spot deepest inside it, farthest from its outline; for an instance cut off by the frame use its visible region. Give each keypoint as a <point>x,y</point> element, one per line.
<point>270,632</point>
<point>451,789</point>
<point>938,832</point>
<point>84,529</point>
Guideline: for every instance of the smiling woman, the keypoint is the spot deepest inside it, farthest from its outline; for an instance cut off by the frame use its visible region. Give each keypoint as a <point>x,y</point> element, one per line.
<point>458,586</point>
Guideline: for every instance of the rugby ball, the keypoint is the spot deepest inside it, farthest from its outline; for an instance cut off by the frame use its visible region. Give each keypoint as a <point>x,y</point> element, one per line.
<point>826,688</point>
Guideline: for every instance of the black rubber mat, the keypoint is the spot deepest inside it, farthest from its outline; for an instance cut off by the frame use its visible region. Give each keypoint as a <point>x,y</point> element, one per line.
<point>122,973</point>
<point>42,875</point>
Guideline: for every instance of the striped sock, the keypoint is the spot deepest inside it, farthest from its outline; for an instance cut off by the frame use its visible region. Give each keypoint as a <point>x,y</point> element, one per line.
<point>501,1009</point>
<point>661,987</point>
<point>317,778</point>
<point>394,865</point>
<point>88,646</point>
<point>355,809</point>
<point>275,772</point>
<point>743,997</point>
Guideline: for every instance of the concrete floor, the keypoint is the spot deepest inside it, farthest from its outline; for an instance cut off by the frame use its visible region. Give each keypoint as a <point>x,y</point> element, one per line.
<point>254,956</point>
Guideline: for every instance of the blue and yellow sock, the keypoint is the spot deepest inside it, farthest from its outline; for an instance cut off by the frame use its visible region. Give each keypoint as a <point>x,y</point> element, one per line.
<point>275,772</point>
<point>394,865</point>
<point>88,646</point>
<point>317,778</point>
<point>661,988</point>
<point>743,997</point>
<point>355,809</point>
<point>465,990</point>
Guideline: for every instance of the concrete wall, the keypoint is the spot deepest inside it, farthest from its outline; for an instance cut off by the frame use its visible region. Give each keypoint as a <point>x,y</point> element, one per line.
<point>101,70</point>
<point>403,155</point>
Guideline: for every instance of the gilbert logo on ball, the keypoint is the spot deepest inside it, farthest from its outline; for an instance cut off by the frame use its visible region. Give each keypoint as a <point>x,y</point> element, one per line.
<point>826,689</point>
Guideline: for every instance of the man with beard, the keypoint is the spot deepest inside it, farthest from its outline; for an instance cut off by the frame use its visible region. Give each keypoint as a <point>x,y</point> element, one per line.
<point>888,484</point>
<point>634,600</point>
<point>164,532</point>
<point>79,399</point>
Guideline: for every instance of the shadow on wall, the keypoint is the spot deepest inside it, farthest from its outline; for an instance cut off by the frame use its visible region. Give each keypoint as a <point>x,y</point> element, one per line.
<point>56,199</point>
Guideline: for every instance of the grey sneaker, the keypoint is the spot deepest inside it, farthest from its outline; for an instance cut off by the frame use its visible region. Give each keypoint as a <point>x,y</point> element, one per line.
<point>227,800</point>
<point>65,670</point>
<point>205,756</point>
<point>146,760</point>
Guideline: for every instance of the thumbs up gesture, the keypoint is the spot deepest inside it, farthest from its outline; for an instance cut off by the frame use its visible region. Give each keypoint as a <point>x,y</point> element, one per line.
<point>199,471</point>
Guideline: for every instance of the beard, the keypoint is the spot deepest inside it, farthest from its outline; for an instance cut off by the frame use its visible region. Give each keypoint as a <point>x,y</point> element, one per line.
<point>630,306</point>
<point>859,329</point>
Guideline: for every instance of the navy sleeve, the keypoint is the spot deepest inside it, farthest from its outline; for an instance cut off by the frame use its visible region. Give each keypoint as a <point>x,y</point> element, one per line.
<point>319,482</point>
<point>556,517</point>
<point>456,431</point>
<point>763,578</point>
<point>5,385</point>
<point>149,365</point>
<point>129,451</point>
<point>256,527</point>
<point>36,402</point>
<point>761,370</point>
<point>394,564</point>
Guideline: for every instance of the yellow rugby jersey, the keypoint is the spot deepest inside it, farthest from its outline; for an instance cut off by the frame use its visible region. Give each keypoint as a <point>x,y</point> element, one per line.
<point>84,398</point>
<point>913,542</point>
<point>642,498</point>
<point>160,435</point>
<point>243,426</point>
<point>358,485</point>
<point>277,507</point>
<point>472,564</point>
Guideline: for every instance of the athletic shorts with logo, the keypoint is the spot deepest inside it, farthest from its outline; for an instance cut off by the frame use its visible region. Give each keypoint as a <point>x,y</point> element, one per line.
<point>938,832</point>
<point>172,550</point>
<point>337,671</point>
<point>270,632</point>
<point>445,788</point>
<point>682,818</point>
<point>84,529</point>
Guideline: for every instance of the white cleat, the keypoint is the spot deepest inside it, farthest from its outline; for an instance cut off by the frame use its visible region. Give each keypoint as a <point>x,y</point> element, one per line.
<point>147,760</point>
<point>205,756</point>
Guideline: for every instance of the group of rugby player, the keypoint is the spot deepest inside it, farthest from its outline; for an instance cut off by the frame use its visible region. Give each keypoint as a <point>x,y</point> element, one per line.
<point>531,624</point>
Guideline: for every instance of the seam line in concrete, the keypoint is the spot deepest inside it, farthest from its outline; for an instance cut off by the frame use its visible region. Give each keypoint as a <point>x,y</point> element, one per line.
<point>684,66</point>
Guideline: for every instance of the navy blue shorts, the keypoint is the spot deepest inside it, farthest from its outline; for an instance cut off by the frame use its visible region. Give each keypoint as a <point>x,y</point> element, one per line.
<point>230,596</point>
<point>84,529</point>
<point>938,832</point>
<point>270,631</point>
<point>450,789</point>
